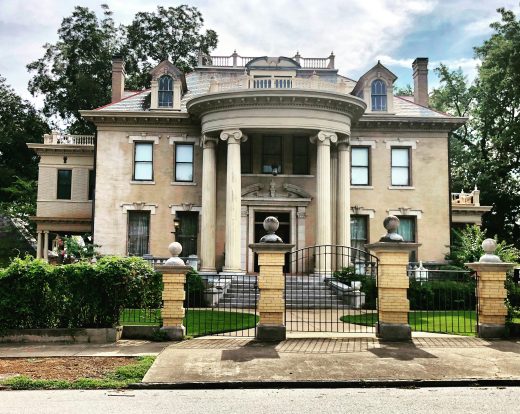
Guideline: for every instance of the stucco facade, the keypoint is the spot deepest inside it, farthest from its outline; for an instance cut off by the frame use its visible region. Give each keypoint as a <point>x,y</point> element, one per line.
<point>239,115</point>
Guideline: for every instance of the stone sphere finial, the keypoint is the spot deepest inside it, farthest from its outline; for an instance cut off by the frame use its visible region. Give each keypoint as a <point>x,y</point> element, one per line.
<point>271,224</point>
<point>489,246</point>
<point>391,224</point>
<point>175,249</point>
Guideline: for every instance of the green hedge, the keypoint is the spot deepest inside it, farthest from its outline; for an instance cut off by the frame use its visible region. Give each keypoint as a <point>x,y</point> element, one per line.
<point>34,294</point>
<point>442,295</point>
<point>368,284</point>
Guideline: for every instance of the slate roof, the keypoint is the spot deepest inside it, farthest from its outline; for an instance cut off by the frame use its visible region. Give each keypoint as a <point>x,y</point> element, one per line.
<point>198,84</point>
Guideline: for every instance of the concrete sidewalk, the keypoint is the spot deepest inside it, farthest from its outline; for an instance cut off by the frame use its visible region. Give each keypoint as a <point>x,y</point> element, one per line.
<point>122,348</point>
<point>241,360</point>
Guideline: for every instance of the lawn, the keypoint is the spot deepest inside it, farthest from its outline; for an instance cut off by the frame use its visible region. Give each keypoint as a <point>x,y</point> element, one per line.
<point>197,322</point>
<point>453,322</point>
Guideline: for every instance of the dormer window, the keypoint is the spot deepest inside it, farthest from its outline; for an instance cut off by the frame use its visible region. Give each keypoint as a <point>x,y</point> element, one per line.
<point>378,95</point>
<point>165,92</point>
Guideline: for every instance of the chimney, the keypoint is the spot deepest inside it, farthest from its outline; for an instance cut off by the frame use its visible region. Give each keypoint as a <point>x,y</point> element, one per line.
<point>420,81</point>
<point>118,78</point>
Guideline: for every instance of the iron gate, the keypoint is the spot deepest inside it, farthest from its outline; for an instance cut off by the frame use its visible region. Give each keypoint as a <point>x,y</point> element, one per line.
<point>221,305</point>
<point>331,288</point>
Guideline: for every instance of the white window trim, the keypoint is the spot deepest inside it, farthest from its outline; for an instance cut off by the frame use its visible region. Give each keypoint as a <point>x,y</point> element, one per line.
<point>182,138</point>
<point>143,137</point>
<point>401,143</point>
<point>138,206</point>
<point>174,208</point>
<point>360,211</point>
<point>363,142</point>
<point>405,211</point>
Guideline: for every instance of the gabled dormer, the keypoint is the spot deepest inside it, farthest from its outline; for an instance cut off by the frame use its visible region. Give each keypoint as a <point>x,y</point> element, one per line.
<point>168,86</point>
<point>376,88</point>
<point>272,72</point>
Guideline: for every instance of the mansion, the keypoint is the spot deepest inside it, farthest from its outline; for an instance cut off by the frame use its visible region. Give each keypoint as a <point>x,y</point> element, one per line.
<point>209,154</point>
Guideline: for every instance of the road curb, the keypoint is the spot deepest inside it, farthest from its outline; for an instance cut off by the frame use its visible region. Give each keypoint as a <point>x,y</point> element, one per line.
<point>469,382</point>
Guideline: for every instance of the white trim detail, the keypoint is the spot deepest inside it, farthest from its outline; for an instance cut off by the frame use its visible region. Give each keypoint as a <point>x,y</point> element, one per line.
<point>361,211</point>
<point>139,206</point>
<point>363,142</point>
<point>172,139</point>
<point>401,143</point>
<point>174,208</point>
<point>398,187</point>
<point>144,137</point>
<point>405,211</point>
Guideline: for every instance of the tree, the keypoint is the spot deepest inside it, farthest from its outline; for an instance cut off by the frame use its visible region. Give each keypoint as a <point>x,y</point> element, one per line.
<point>19,123</point>
<point>486,151</point>
<point>75,72</point>
<point>173,33</point>
<point>403,90</point>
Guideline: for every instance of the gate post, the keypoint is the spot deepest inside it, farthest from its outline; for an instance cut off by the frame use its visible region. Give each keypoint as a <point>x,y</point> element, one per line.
<point>392,283</point>
<point>174,277</point>
<point>491,291</point>
<point>271,283</point>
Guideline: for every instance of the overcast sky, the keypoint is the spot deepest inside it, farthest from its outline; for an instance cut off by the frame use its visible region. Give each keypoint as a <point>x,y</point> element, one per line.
<point>358,31</point>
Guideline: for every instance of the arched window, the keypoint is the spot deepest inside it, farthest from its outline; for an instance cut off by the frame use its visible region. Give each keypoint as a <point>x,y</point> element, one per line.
<point>166,92</point>
<point>378,95</point>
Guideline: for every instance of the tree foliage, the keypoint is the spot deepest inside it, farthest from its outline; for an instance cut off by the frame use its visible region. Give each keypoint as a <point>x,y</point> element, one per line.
<point>486,151</point>
<point>75,72</point>
<point>403,90</point>
<point>19,123</point>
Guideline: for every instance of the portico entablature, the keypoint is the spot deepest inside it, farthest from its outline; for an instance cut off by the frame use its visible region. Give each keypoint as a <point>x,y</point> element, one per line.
<point>277,109</point>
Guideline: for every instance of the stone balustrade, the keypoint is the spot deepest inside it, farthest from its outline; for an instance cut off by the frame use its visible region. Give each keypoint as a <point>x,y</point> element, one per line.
<point>235,60</point>
<point>466,199</point>
<point>57,138</point>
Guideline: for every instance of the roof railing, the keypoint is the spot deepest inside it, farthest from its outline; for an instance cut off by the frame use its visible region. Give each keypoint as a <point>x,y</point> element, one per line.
<point>57,138</point>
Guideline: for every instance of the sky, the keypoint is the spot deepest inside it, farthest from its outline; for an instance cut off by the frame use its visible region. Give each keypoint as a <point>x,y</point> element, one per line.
<point>359,32</point>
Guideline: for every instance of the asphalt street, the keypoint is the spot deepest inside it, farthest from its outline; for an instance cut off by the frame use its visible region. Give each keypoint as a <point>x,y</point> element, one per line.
<point>422,400</point>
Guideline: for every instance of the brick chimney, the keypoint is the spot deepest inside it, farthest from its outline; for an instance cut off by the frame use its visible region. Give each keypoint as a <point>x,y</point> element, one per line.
<point>118,78</point>
<point>420,81</point>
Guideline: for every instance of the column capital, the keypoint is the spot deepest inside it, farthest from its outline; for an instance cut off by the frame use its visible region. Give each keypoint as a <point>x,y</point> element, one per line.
<point>233,136</point>
<point>344,144</point>
<point>324,138</point>
<point>208,142</point>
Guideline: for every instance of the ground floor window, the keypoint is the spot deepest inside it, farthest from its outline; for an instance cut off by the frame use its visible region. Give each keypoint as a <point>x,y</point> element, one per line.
<point>138,233</point>
<point>358,231</point>
<point>407,229</point>
<point>186,234</point>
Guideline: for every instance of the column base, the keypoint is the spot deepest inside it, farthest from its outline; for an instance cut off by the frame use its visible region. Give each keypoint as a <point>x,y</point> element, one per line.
<point>394,331</point>
<point>271,333</point>
<point>208,270</point>
<point>490,330</point>
<point>174,333</point>
<point>231,272</point>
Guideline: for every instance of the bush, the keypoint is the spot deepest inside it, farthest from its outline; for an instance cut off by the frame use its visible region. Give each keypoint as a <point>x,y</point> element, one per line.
<point>34,294</point>
<point>442,295</point>
<point>194,288</point>
<point>347,275</point>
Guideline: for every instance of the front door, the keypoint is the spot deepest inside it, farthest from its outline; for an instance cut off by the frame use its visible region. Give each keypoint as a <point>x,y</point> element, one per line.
<point>284,231</point>
<point>187,232</point>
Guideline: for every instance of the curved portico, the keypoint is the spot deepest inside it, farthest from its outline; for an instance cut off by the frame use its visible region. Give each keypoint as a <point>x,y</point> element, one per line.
<point>325,117</point>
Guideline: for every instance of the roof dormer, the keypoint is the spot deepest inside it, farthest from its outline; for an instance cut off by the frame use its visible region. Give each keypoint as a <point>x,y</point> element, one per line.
<point>168,86</point>
<point>376,88</point>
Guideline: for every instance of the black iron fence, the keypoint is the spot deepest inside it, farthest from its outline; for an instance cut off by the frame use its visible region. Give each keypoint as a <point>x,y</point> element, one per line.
<point>331,288</point>
<point>221,305</point>
<point>442,301</point>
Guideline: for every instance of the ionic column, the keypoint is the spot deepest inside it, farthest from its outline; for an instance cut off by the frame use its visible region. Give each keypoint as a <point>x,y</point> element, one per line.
<point>39,245</point>
<point>45,245</point>
<point>233,199</point>
<point>323,200</point>
<point>343,195</point>
<point>209,204</point>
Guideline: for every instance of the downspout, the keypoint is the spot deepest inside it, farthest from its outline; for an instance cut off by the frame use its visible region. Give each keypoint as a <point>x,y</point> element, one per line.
<point>95,179</point>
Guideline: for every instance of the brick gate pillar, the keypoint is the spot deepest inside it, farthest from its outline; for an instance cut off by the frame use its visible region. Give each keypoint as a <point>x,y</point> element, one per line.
<point>491,291</point>
<point>392,283</point>
<point>174,277</point>
<point>271,283</point>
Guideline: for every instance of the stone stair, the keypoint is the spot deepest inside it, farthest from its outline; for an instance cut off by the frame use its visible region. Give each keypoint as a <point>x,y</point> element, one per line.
<point>301,293</point>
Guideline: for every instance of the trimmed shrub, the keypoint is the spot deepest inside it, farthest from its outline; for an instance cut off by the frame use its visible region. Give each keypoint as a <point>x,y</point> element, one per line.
<point>34,294</point>
<point>347,275</point>
<point>442,295</point>
<point>194,288</point>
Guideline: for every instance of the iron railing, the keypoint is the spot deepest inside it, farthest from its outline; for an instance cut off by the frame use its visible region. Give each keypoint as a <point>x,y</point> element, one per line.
<point>221,305</point>
<point>331,288</point>
<point>443,301</point>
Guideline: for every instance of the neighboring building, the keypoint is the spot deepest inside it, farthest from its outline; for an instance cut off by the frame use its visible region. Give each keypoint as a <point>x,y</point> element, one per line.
<point>215,151</point>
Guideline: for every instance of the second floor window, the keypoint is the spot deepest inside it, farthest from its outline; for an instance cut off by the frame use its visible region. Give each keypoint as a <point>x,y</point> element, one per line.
<point>401,166</point>
<point>272,155</point>
<point>165,92</point>
<point>360,166</point>
<point>143,161</point>
<point>64,184</point>
<point>300,155</point>
<point>378,95</point>
<point>183,162</point>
